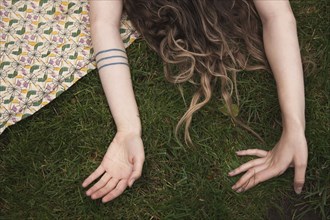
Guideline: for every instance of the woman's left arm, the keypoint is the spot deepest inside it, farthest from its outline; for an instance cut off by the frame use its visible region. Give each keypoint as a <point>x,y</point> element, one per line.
<point>283,53</point>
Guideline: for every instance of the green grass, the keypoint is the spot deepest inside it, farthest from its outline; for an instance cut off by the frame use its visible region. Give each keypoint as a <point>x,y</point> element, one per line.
<point>45,157</point>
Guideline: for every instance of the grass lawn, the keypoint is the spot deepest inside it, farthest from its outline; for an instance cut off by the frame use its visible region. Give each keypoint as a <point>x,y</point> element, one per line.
<point>45,158</point>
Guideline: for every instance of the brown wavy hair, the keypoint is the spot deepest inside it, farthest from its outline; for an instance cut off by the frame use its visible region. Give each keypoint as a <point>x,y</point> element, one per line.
<point>209,40</point>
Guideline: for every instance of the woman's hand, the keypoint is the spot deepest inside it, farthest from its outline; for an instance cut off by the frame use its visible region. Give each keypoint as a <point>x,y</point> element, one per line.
<point>120,167</point>
<point>290,151</point>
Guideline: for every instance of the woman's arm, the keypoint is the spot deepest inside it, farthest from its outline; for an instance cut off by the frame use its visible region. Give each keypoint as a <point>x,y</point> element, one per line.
<point>116,80</point>
<point>123,162</point>
<point>283,53</point>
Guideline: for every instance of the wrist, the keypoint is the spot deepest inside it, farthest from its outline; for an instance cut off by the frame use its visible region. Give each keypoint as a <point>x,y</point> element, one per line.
<point>126,135</point>
<point>293,125</point>
<point>135,129</point>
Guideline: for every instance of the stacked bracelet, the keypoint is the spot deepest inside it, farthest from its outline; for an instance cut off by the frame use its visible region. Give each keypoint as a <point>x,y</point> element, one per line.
<point>107,60</point>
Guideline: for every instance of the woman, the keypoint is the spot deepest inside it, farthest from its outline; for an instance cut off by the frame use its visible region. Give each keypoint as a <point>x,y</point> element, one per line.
<point>207,40</point>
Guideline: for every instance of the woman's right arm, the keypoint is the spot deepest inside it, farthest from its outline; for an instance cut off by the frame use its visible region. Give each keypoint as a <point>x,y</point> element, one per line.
<point>123,162</point>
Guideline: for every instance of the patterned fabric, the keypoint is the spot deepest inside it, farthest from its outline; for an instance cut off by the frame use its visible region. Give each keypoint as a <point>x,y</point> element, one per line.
<point>45,48</point>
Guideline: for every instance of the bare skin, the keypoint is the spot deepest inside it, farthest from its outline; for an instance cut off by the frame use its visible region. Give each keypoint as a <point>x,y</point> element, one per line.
<point>123,162</point>
<point>282,50</point>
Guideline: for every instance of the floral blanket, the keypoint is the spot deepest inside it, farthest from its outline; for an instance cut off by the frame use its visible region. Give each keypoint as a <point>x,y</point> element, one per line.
<point>45,48</point>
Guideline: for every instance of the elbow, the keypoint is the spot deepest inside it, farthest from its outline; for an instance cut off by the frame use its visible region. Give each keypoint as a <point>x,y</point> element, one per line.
<point>97,22</point>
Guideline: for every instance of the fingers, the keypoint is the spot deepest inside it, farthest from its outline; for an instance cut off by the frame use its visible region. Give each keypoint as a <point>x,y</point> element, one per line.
<point>246,166</point>
<point>262,176</point>
<point>101,183</point>
<point>108,187</point>
<point>120,188</point>
<point>252,152</point>
<point>137,171</point>
<point>244,180</point>
<point>96,174</point>
<point>299,177</point>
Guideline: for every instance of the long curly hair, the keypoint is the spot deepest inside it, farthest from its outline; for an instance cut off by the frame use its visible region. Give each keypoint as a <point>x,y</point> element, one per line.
<point>209,40</point>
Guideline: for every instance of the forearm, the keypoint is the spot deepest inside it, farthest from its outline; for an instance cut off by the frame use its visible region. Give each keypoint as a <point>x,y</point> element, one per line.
<point>283,53</point>
<point>116,80</point>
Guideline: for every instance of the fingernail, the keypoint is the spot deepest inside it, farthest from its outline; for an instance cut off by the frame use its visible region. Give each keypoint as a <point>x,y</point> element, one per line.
<point>131,183</point>
<point>233,187</point>
<point>239,190</point>
<point>231,173</point>
<point>88,193</point>
<point>298,190</point>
